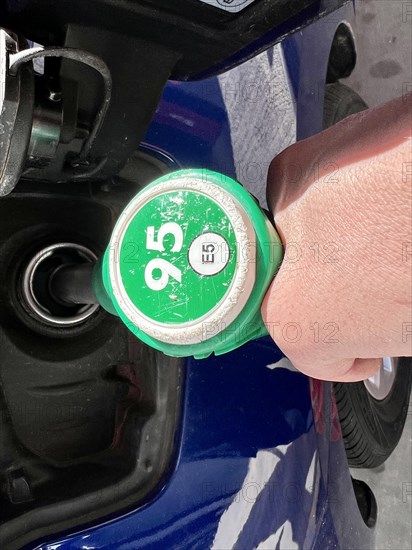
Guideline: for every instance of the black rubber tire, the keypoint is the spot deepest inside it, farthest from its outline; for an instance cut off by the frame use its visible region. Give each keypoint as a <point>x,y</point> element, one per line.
<point>342,57</point>
<point>340,102</point>
<point>371,429</point>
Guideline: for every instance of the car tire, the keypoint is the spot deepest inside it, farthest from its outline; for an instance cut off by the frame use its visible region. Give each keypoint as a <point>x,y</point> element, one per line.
<point>340,102</point>
<point>371,427</point>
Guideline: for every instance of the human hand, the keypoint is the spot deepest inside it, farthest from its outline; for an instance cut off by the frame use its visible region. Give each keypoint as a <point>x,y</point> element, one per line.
<point>342,204</point>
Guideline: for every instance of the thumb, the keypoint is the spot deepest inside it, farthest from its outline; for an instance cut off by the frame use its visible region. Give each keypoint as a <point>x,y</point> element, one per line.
<point>309,355</point>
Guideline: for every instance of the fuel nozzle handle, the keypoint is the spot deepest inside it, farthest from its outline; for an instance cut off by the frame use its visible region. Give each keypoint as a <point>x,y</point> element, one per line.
<point>188,264</point>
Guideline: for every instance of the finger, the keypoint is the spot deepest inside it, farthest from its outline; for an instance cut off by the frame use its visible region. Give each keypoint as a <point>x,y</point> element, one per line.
<point>315,361</point>
<point>346,370</point>
<point>362,369</point>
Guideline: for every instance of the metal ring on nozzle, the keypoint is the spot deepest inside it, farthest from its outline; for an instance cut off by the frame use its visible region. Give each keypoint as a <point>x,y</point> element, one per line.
<point>33,301</point>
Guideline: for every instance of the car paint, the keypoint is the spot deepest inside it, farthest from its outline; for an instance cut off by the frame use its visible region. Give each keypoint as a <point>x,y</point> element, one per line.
<point>260,461</point>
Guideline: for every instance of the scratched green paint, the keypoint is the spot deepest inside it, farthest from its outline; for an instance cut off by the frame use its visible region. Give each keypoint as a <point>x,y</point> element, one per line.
<point>195,295</point>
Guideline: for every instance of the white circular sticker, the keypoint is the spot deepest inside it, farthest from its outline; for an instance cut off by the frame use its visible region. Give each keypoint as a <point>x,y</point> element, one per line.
<point>209,254</point>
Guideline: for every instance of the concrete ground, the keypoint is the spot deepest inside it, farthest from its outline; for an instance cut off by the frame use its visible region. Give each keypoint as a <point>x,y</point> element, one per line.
<point>383,31</point>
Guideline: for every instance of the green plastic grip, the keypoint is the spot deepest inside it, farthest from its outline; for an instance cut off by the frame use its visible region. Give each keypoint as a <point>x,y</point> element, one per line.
<point>188,265</point>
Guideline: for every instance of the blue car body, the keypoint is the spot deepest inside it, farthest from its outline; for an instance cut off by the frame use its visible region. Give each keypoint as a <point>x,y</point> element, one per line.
<point>259,461</point>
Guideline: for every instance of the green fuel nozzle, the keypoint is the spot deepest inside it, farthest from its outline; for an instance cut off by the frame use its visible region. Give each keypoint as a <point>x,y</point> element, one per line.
<point>188,264</point>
